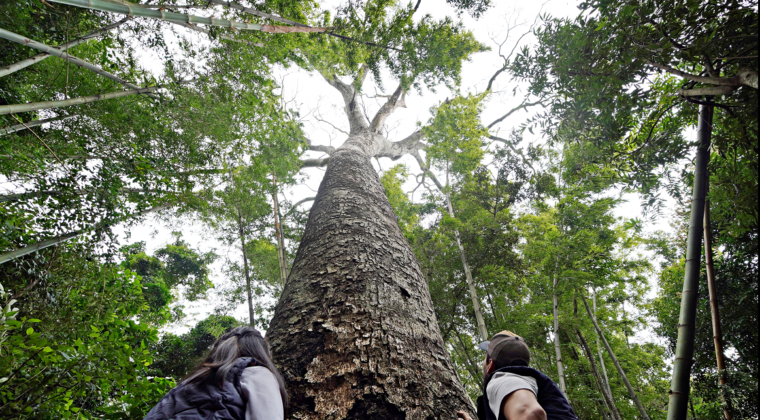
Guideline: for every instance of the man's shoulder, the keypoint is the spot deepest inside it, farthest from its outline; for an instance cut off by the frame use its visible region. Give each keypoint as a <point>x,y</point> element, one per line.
<point>511,375</point>
<point>509,382</point>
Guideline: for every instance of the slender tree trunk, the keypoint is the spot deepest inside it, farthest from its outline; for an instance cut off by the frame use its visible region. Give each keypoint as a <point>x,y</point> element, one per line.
<point>715,315</point>
<point>354,332</point>
<point>679,385</point>
<point>557,349</point>
<point>468,276</point>
<point>39,57</point>
<point>278,234</point>
<point>129,9</point>
<point>622,374</point>
<point>34,106</point>
<point>249,292</point>
<point>30,124</point>
<point>615,413</point>
<point>57,240</point>
<point>599,348</point>
<point>10,36</point>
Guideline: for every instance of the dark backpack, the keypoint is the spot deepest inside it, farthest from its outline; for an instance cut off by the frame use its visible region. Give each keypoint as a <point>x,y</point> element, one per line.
<point>549,397</point>
<point>205,401</point>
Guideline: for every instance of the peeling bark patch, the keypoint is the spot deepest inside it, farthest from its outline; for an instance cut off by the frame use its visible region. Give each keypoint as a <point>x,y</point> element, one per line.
<point>354,332</point>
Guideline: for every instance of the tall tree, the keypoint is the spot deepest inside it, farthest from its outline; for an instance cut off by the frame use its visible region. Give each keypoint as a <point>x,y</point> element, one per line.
<point>367,341</point>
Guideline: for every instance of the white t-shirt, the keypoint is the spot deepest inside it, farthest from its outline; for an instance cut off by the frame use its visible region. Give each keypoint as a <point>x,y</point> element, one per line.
<point>504,383</point>
<point>263,394</point>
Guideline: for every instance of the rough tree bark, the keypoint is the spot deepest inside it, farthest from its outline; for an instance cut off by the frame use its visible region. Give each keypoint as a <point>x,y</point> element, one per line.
<point>354,333</point>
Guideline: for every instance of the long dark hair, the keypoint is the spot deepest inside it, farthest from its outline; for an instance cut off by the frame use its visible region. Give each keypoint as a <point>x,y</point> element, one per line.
<point>236,343</point>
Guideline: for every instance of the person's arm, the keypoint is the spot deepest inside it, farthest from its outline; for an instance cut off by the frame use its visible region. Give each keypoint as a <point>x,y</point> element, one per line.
<point>262,393</point>
<point>522,405</point>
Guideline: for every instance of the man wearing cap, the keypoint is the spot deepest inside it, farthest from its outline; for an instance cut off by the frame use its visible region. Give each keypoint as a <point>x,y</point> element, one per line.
<point>514,391</point>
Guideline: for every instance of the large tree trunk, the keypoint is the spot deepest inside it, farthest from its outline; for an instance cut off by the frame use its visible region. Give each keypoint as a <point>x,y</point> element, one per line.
<point>354,332</point>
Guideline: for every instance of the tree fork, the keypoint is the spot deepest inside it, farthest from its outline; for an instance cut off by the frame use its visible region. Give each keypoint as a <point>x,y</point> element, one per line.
<point>679,385</point>
<point>354,332</point>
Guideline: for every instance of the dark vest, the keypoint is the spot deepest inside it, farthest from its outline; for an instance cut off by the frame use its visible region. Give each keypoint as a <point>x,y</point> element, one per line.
<point>205,402</point>
<point>550,398</point>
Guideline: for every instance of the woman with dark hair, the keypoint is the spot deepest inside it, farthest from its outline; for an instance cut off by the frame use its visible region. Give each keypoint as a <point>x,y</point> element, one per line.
<point>236,381</point>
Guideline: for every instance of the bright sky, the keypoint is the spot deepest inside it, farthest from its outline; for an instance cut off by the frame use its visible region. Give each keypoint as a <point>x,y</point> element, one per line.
<point>323,119</point>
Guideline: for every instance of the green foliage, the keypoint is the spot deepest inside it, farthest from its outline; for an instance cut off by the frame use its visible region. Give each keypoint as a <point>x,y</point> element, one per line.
<point>407,213</point>
<point>176,355</point>
<point>455,134</point>
<point>76,346</point>
<point>172,266</point>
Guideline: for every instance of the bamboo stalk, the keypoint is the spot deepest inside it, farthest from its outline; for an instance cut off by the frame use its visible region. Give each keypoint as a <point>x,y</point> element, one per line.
<point>63,47</point>
<point>714,312</point>
<point>10,36</point>
<point>30,124</point>
<point>222,36</point>
<point>38,246</point>
<point>620,370</point>
<point>255,12</point>
<point>680,382</point>
<point>34,106</point>
<point>130,9</point>
<point>58,239</point>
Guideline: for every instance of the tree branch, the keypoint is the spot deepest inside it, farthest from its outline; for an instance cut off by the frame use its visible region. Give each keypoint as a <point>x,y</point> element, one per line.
<point>397,149</point>
<point>356,120</point>
<point>426,170</point>
<point>744,77</point>
<point>513,110</point>
<point>293,208</point>
<point>708,91</point>
<point>314,163</point>
<point>16,108</point>
<point>396,100</point>
<point>318,148</point>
